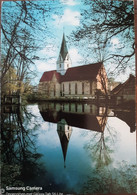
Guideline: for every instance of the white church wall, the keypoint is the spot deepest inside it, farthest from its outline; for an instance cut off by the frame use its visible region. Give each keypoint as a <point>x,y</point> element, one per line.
<point>83,88</point>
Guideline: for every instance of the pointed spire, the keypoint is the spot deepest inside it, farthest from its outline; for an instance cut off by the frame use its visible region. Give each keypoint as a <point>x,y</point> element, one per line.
<point>63,61</point>
<point>64,49</point>
<point>64,143</point>
<point>64,133</point>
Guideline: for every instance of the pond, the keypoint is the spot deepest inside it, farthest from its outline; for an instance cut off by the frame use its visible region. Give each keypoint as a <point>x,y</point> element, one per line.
<point>69,148</point>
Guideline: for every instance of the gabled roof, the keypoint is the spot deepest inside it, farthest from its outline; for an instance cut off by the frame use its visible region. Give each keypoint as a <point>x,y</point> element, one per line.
<point>117,89</point>
<point>85,72</point>
<point>47,76</point>
<point>84,121</point>
<point>79,73</point>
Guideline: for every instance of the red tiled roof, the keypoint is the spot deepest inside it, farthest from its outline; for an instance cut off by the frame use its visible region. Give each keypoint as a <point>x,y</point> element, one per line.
<point>85,72</point>
<point>47,76</point>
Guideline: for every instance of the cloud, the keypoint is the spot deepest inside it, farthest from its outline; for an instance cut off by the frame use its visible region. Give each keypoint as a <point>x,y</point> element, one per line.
<point>49,50</point>
<point>69,18</point>
<point>50,64</point>
<point>75,57</point>
<point>48,57</point>
<point>69,2</point>
<point>114,41</point>
<point>45,66</point>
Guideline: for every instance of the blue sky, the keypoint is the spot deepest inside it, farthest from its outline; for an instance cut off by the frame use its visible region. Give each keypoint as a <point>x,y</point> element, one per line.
<point>66,17</point>
<point>67,20</point>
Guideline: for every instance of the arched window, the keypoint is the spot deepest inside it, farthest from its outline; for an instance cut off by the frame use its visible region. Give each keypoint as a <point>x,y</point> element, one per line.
<point>69,88</point>
<point>83,88</point>
<point>90,88</point>
<point>75,88</point>
<point>55,90</point>
<point>63,88</point>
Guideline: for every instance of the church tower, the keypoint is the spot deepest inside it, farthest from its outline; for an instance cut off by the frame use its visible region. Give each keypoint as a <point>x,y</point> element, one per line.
<point>64,132</point>
<point>64,61</point>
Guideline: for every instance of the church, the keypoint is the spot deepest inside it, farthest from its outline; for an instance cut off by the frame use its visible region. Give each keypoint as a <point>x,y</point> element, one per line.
<point>72,82</point>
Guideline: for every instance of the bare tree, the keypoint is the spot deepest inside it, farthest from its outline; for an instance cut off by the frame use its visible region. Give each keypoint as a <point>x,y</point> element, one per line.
<point>19,160</point>
<point>23,26</point>
<point>102,21</point>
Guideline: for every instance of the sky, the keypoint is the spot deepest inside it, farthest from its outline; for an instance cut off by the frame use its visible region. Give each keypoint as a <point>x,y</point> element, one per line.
<point>67,21</point>
<point>66,17</point>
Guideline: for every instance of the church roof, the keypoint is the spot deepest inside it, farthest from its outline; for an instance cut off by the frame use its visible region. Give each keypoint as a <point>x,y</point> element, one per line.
<point>47,76</point>
<point>63,50</point>
<point>120,87</point>
<point>86,72</point>
<point>84,121</point>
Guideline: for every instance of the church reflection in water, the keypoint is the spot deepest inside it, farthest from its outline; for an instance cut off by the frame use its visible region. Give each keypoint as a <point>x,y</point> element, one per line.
<point>81,115</point>
<point>30,144</point>
<point>85,116</point>
<point>70,115</point>
<point>64,132</point>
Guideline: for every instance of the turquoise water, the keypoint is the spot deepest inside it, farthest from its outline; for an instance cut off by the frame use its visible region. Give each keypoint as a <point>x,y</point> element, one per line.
<point>71,149</point>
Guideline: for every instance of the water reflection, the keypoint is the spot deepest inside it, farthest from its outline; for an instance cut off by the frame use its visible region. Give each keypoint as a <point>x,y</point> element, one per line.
<point>82,116</point>
<point>87,116</point>
<point>19,155</point>
<point>69,148</point>
<point>64,132</point>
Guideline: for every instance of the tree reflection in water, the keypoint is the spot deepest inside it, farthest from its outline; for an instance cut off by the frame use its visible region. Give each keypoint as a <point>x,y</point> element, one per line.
<point>21,162</point>
<point>19,154</point>
<point>108,180</point>
<point>104,177</point>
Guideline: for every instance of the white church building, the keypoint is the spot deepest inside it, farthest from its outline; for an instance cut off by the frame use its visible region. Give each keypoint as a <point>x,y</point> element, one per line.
<point>67,81</point>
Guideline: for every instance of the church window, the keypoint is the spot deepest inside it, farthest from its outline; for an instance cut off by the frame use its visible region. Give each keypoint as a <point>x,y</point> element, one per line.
<point>63,87</point>
<point>90,88</point>
<point>83,88</point>
<point>48,90</point>
<point>75,88</point>
<point>69,88</point>
<point>54,90</point>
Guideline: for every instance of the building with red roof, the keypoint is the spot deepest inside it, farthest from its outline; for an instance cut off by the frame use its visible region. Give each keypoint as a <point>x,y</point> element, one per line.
<point>66,81</point>
<point>125,91</point>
